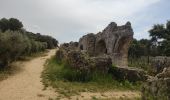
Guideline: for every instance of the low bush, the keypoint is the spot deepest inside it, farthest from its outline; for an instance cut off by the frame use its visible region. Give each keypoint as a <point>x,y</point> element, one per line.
<point>12,45</point>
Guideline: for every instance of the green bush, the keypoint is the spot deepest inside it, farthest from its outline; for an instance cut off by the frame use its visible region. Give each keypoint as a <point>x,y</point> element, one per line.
<point>50,41</point>
<point>14,44</point>
<point>75,75</point>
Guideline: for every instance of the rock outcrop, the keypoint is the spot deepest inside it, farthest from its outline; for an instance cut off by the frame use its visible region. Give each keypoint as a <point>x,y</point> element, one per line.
<point>112,41</point>
<point>157,88</point>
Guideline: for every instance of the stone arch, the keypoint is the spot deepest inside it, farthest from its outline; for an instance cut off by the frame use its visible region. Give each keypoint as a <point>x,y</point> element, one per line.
<point>115,43</point>
<point>101,48</point>
<point>122,45</point>
<point>121,51</point>
<point>81,47</point>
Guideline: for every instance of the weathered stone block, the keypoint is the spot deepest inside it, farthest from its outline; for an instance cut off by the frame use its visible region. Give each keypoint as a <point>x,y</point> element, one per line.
<point>102,64</point>
<point>130,74</point>
<point>157,88</point>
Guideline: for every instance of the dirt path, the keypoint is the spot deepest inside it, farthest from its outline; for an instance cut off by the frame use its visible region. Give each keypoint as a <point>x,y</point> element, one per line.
<point>26,85</point>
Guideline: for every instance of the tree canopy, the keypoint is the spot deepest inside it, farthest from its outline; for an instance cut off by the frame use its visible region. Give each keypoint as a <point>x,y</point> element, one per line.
<point>10,24</point>
<point>160,36</point>
<point>158,45</point>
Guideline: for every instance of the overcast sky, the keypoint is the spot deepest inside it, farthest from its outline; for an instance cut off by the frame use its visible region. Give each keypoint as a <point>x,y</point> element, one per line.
<point>68,20</point>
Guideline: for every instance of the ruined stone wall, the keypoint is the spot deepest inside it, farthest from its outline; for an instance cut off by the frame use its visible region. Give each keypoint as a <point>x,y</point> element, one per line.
<point>113,41</point>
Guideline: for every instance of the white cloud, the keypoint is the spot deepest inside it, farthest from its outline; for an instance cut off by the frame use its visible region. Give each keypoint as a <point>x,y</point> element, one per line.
<point>68,19</point>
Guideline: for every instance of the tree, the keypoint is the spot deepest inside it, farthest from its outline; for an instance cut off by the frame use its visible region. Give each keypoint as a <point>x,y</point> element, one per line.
<point>135,50</point>
<point>139,48</point>
<point>4,24</point>
<point>15,24</point>
<point>51,42</point>
<point>12,24</point>
<point>160,37</point>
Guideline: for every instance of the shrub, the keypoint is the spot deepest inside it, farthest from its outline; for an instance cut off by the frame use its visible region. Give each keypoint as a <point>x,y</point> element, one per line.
<point>50,41</point>
<point>14,44</point>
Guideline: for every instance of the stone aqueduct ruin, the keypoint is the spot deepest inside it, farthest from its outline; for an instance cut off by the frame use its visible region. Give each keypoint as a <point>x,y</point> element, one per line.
<point>98,52</point>
<point>112,41</point>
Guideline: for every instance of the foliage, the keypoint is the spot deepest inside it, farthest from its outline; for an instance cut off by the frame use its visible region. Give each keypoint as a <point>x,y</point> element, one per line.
<point>139,48</point>
<point>160,37</point>
<point>51,42</point>
<point>4,24</point>
<point>10,24</point>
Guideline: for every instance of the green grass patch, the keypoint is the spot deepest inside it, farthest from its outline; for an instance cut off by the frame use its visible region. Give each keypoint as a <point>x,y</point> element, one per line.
<point>69,82</point>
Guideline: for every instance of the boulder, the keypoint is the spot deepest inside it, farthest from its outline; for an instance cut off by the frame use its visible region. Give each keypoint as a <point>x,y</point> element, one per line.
<point>130,74</point>
<point>81,61</point>
<point>157,88</point>
<point>78,60</point>
<point>102,64</point>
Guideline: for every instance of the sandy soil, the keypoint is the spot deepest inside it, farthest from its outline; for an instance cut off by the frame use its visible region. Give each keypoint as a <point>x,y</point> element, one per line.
<point>111,95</point>
<point>26,84</point>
